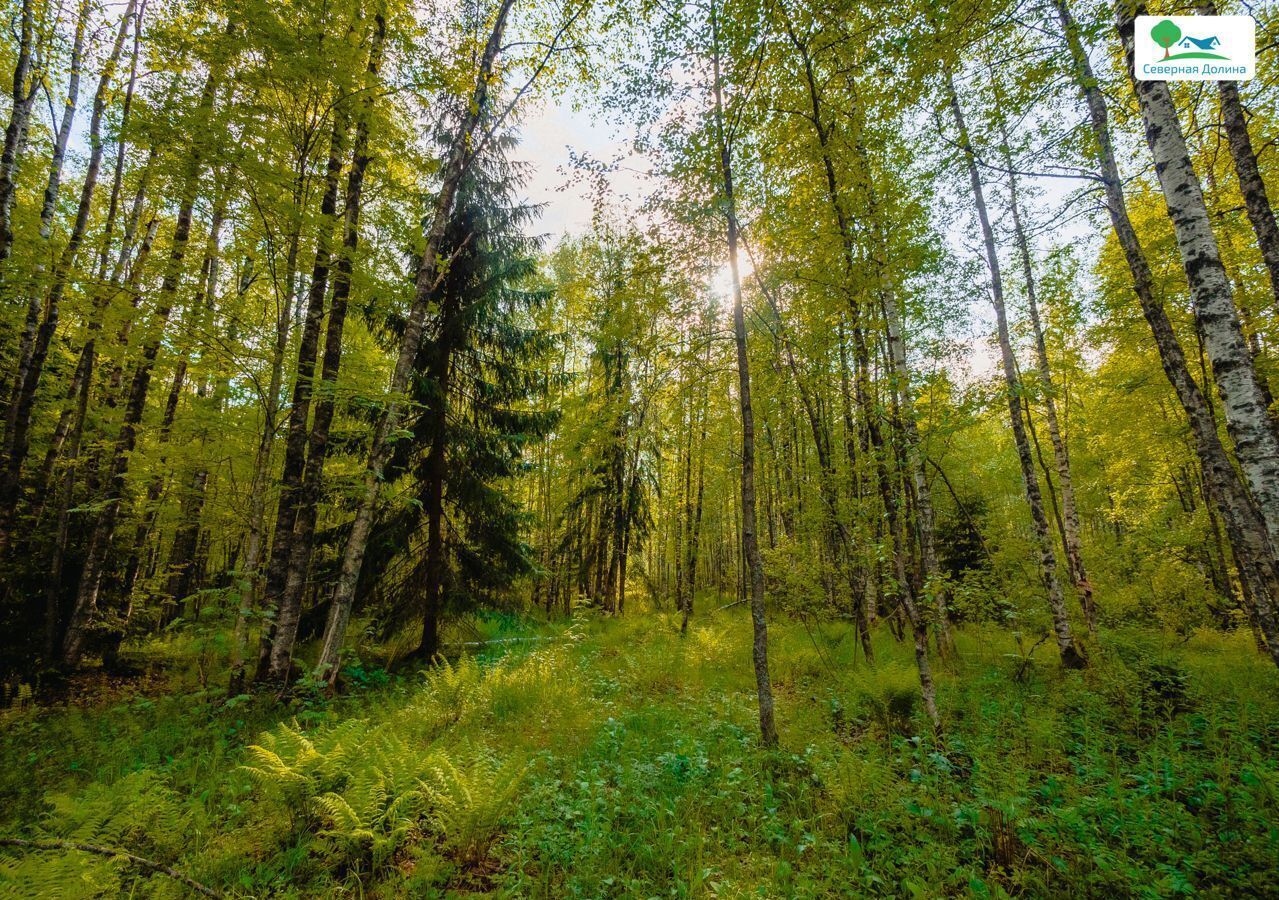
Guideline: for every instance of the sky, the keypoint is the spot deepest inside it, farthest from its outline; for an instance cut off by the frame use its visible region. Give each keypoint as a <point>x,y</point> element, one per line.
<point>552,133</point>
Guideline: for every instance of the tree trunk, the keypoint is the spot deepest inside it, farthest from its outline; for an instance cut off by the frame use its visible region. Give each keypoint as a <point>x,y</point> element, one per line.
<point>439,372</point>
<point>104,527</point>
<point>458,158</point>
<point>859,574</point>
<point>1071,654</point>
<point>35,286</point>
<point>1256,202</point>
<point>1061,457</point>
<point>14,134</point>
<point>1245,528</point>
<point>288,608</point>
<point>31,366</point>
<point>1243,401</point>
<point>749,541</point>
<point>695,523</point>
<point>317,445</point>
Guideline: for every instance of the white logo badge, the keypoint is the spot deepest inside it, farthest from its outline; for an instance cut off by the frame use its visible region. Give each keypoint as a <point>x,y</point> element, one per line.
<point>1195,48</point>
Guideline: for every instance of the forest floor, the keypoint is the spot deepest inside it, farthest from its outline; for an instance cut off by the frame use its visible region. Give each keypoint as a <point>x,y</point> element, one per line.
<point>615,758</point>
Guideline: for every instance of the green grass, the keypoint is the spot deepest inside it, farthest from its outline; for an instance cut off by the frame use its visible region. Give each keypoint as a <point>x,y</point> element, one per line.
<point>620,760</point>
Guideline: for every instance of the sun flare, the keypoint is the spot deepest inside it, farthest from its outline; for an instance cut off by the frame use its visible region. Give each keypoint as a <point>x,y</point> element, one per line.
<point>721,282</point>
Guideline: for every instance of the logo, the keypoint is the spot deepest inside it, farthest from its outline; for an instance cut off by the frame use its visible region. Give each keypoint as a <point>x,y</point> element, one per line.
<point>1195,48</point>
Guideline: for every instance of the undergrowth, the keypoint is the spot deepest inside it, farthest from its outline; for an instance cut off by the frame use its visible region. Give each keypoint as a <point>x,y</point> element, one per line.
<point>618,759</point>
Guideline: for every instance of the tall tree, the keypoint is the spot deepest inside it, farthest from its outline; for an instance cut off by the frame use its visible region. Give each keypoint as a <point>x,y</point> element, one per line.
<point>1071,654</point>
<point>457,157</point>
<point>723,131</point>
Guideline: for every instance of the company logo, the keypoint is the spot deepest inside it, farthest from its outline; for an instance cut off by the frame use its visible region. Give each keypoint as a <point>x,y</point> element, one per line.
<point>1195,48</point>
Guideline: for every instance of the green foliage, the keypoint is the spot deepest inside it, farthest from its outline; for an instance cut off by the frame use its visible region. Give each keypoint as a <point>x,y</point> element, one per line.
<point>622,759</point>
<point>469,803</point>
<point>887,695</point>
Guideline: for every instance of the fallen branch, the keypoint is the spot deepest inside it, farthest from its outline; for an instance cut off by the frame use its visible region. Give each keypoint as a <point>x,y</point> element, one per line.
<point>113,853</point>
<point>730,605</point>
<point>505,640</point>
<point>1029,658</point>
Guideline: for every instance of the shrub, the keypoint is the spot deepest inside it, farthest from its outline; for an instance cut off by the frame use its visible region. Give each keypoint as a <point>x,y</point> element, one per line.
<point>469,802</point>
<point>887,694</point>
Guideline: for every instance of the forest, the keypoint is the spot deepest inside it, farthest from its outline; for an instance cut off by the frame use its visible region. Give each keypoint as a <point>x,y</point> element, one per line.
<point>872,491</point>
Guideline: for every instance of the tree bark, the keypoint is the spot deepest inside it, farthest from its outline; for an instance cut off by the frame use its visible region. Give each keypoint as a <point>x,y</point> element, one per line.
<point>749,542</point>
<point>49,206</point>
<point>30,369</point>
<point>289,608</point>
<point>14,134</point>
<point>1261,214</point>
<point>1245,528</point>
<point>1061,457</point>
<point>317,445</point>
<point>104,528</point>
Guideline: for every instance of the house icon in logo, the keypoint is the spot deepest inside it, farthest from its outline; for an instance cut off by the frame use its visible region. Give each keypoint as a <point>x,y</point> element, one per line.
<point>1208,43</point>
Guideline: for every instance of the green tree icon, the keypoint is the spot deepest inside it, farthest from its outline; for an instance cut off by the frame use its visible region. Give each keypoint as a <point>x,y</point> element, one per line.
<point>1165,33</point>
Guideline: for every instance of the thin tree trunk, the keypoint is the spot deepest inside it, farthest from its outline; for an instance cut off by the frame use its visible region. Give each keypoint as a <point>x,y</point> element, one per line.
<point>257,543</point>
<point>14,134</point>
<point>317,445</point>
<point>28,378</point>
<point>288,608</point>
<point>859,574</point>
<point>749,541</point>
<point>1061,457</point>
<point>49,206</point>
<point>695,520</point>
<point>1245,528</point>
<point>104,527</point>
<point>439,372</point>
<point>1256,201</point>
<point>1071,654</point>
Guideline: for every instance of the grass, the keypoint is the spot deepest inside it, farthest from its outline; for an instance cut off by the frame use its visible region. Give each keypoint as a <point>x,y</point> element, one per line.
<point>618,759</point>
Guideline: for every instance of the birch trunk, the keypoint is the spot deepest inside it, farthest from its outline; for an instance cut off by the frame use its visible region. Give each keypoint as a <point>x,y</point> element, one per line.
<point>1261,214</point>
<point>1061,457</point>
<point>49,206</point>
<point>31,368</point>
<point>1242,398</point>
<point>749,539</point>
<point>317,445</point>
<point>1245,528</point>
<point>22,97</point>
<point>104,527</point>
<point>289,608</point>
<point>1071,653</point>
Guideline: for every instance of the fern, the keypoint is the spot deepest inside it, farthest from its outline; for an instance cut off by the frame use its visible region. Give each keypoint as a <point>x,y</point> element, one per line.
<point>139,813</point>
<point>469,802</point>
